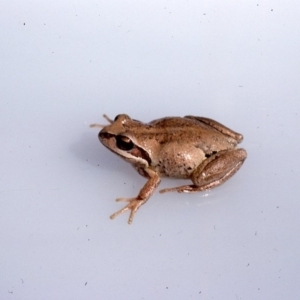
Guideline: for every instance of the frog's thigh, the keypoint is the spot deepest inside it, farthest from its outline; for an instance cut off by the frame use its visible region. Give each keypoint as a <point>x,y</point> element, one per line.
<point>218,168</point>
<point>213,171</point>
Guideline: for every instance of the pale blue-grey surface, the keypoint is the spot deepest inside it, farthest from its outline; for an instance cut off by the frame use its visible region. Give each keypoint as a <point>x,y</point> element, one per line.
<point>64,64</point>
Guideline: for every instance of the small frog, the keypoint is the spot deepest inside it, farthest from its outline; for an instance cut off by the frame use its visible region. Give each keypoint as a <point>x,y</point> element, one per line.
<point>195,148</point>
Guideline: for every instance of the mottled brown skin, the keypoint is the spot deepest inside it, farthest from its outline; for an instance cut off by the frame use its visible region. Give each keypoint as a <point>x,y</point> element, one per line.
<point>195,148</point>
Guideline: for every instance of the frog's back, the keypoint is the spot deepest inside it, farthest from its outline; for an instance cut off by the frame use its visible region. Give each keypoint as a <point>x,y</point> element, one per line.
<point>174,122</point>
<point>188,130</point>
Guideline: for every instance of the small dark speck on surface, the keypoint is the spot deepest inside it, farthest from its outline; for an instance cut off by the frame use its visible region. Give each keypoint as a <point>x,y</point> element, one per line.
<point>85,283</point>
<point>24,24</point>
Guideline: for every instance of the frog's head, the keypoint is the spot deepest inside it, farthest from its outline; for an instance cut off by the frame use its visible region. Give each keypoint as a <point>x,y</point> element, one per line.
<point>120,137</point>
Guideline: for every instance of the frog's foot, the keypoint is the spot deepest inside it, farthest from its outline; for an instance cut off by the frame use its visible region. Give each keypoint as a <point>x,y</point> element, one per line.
<point>100,125</point>
<point>133,205</point>
<point>185,189</point>
<point>97,126</point>
<point>108,119</point>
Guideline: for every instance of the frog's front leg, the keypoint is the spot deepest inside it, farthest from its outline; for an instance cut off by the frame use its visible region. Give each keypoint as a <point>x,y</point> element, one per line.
<point>144,194</point>
<point>213,171</point>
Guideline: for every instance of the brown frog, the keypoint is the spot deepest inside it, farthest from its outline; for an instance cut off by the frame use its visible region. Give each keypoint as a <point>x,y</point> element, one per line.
<point>195,148</point>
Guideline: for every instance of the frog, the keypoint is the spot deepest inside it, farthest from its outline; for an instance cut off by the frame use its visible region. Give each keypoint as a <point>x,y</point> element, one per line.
<point>191,147</point>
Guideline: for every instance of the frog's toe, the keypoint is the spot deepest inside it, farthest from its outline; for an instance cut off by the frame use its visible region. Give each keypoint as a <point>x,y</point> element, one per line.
<point>133,205</point>
<point>182,189</point>
<point>186,189</point>
<point>123,199</point>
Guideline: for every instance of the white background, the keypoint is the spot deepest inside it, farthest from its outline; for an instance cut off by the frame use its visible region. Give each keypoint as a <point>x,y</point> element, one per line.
<point>64,64</point>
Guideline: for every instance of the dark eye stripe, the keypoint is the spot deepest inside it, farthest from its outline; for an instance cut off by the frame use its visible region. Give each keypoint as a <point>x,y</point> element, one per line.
<point>124,143</point>
<point>105,135</point>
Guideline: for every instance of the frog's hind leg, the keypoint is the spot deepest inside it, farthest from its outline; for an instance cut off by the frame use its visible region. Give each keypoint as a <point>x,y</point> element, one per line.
<point>213,171</point>
<point>219,127</point>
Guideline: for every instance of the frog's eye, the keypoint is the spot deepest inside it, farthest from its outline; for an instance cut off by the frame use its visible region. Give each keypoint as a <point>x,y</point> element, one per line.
<point>124,142</point>
<point>116,118</point>
<point>123,117</point>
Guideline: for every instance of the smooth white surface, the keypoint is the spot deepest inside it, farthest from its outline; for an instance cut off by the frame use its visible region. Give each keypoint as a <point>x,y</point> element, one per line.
<point>64,64</point>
